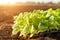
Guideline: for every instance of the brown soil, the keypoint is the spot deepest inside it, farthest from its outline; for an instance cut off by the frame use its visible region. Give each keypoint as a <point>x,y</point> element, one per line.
<point>6,21</point>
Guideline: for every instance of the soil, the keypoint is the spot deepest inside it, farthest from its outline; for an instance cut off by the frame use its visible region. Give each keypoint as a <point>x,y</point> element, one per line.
<point>6,22</point>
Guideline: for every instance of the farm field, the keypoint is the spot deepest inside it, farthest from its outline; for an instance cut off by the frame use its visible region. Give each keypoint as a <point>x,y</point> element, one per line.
<point>7,13</point>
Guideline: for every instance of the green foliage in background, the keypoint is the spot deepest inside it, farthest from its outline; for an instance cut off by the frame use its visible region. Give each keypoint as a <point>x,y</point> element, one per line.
<point>35,22</point>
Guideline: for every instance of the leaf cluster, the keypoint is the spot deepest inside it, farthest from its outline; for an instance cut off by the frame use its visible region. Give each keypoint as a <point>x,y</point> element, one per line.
<point>37,21</point>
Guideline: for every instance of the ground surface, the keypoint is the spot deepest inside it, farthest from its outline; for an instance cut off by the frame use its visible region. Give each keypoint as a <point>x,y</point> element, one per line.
<point>6,19</point>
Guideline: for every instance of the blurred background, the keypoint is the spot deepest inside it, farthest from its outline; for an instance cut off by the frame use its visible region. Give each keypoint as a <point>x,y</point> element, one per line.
<point>12,2</point>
